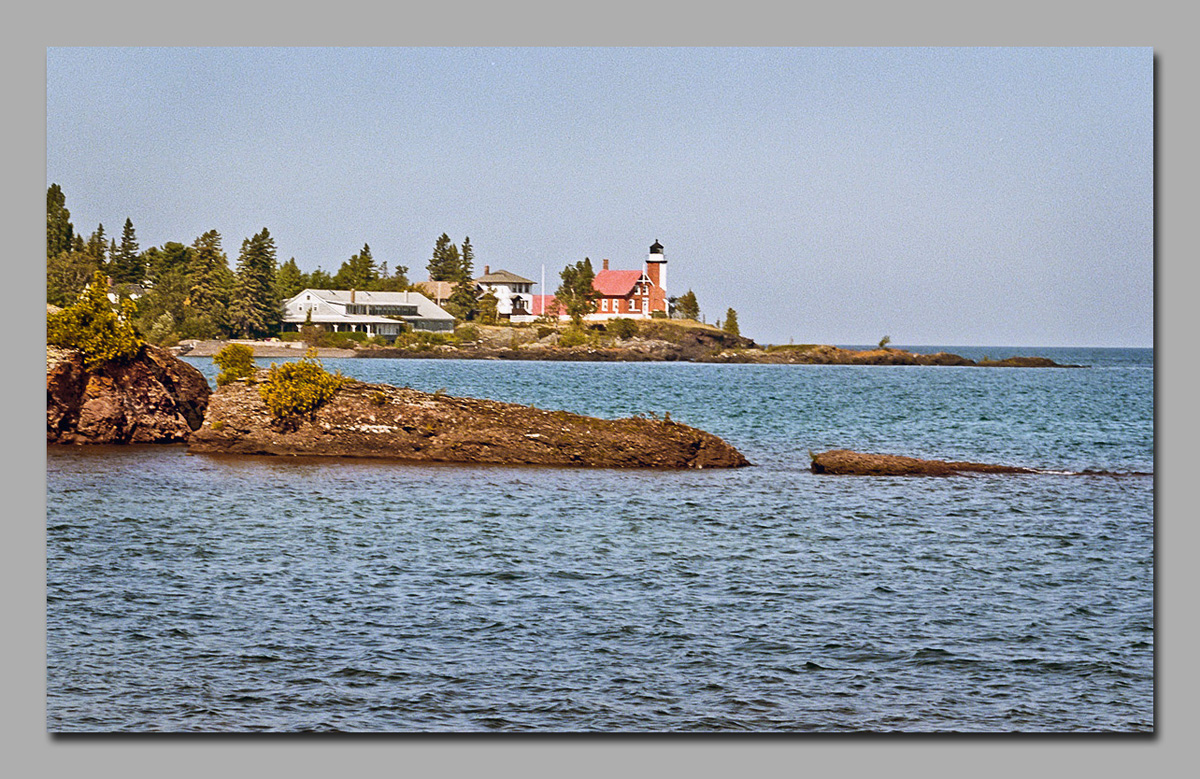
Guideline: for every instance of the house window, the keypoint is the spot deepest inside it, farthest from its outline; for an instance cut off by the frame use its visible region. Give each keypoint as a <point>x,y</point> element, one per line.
<point>604,304</point>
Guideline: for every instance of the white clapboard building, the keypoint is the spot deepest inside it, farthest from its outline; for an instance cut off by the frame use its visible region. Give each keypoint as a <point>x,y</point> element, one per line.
<point>373,313</point>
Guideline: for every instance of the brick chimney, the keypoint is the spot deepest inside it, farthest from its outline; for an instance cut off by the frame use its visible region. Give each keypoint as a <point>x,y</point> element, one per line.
<point>605,263</point>
<point>351,295</point>
<point>487,269</point>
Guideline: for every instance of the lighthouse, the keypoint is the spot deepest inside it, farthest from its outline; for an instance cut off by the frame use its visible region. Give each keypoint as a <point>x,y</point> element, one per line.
<point>656,267</point>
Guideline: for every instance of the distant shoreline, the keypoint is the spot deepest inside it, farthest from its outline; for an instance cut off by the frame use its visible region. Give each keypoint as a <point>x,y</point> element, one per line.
<point>634,350</point>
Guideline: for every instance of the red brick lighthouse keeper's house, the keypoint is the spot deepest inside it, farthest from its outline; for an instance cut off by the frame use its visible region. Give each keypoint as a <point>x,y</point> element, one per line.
<point>629,294</point>
<point>632,294</point>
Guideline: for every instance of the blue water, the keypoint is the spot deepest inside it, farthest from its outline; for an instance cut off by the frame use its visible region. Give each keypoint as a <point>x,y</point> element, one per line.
<point>196,593</point>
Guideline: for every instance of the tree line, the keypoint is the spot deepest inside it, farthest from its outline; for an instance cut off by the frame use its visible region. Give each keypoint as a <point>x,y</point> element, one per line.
<point>189,290</point>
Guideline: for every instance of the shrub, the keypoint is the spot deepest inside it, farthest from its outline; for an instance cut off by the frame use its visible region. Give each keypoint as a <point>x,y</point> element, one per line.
<point>91,326</point>
<point>466,334</point>
<point>572,336</point>
<point>162,332</point>
<point>378,399</point>
<point>423,340</point>
<point>658,314</point>
<point>236,362</point>
<point>290,336</point>
<point>296,389</point>
<point>545,330</point>
<point>623,328</point>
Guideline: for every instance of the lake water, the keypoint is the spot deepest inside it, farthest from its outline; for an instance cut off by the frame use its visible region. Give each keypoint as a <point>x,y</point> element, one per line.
<point>220,594</point>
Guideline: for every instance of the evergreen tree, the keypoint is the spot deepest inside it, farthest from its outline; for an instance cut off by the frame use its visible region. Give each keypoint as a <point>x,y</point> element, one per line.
<point>254,309</point>
<point>463,301</point>
<point>575,294</point>
<point>171,258</point>
<point>68,266</point>
<point>397,282</point>
<point>687,307</point>
<point>466,261</point>
<point>67,273</point>
<point>126,264</point>
<point>358,272</point>
<point>162,309</point>
<point>731,323</point>
<point>97,244</point>
<point>289,281</point>
<point>444,264</point>
<point>210,283</point>
<point>319,279</point>
<point>488,303</point>
<point>60,233</point>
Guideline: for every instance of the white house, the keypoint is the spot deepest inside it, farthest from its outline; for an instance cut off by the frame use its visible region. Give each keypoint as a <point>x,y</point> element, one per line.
<point>514,294</point>
<point>374,313</point>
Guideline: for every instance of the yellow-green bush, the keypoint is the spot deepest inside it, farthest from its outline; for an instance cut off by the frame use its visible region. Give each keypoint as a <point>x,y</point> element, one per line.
<point>623,328</point>
<point>296,389</point>
<point>91,326</point>
<point>572,336</point>
<point>236,362</point>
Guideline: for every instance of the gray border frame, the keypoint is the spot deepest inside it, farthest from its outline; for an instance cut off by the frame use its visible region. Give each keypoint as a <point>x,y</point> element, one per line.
<point>30,751</point>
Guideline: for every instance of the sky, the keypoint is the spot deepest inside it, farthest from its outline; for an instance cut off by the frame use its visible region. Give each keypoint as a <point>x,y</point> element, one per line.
<point>998,196</point>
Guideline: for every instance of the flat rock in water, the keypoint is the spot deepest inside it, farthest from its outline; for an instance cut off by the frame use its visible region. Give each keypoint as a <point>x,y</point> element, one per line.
<point>381,421</point>
<point>847,462</point>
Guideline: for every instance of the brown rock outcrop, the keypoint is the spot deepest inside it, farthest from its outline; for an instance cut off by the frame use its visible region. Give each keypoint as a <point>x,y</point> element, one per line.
<point>153,398</point>
<point>380,421</point>
<point>846,462</point>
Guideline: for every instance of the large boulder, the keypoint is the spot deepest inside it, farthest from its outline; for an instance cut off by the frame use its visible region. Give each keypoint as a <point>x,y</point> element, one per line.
<point>152,398</point>
<point>381,421</point>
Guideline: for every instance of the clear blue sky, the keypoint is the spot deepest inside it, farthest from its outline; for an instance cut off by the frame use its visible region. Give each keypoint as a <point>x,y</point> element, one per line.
<point>939,196</point>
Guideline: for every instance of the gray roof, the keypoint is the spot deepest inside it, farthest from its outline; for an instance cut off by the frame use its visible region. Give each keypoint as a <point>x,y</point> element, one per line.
<point>502,277</point>
<point>426,308</point>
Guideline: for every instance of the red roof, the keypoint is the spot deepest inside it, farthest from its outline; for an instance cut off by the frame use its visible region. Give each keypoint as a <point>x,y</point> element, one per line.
<point>616,283</point>
<point>542,303</point>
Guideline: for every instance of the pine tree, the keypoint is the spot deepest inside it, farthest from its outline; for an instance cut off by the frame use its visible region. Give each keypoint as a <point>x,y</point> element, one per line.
<point>687,307</point>
<point>488,303</point>
<point>444,264</point>
<point>210,283</point>
<point>60,233</point>
<point>397,282</point>
<point>289,281</point>
<point>67,273</point>
<point>358,272</point>
<point>97,244</point>
<point>167,266</point>
<point>254,311</point>
<point>463,301</point>
<point>466,261</point>
<point>127,265</point>
<point>731,323</point>
<point>319,279</point>
<point>68,266</point>
<point>576,295</point>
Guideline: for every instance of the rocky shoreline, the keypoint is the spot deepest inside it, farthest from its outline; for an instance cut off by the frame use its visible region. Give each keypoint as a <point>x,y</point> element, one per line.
<point>655,341</point>
<point>398,423</point>
<point>662,351</point>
